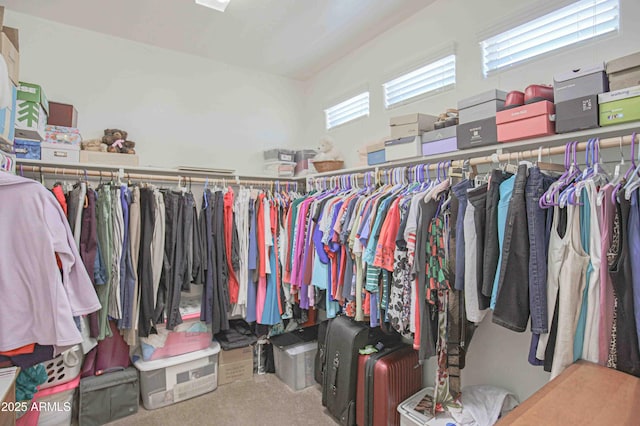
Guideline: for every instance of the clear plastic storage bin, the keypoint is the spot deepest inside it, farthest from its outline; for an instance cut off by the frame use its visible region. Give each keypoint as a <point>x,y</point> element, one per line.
<point>170,380</point>
<point>295,364</point>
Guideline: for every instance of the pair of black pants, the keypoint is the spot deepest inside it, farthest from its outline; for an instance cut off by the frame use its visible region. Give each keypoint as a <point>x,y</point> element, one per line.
<point>627,338</point>
<point>89,249</point>
<point>428,311</point>
<point>512,301</point>
<point>145,270</point>
<point>478,199</point>
<point>178,248</point>
<point>491,243</point>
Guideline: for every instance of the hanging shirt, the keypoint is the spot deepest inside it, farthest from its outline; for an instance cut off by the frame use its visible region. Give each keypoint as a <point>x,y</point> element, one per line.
<point>57,295</point>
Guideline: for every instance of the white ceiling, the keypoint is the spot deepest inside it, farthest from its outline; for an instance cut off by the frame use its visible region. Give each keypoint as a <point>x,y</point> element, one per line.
<point>293,38</point>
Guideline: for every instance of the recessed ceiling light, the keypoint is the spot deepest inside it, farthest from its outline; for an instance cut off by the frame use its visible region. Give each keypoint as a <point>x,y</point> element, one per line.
<point>219,5</point>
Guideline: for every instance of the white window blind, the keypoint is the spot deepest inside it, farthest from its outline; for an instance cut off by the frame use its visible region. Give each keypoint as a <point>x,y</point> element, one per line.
<point>577,22</point>
<point>348,110</point>
<point>432,78</point>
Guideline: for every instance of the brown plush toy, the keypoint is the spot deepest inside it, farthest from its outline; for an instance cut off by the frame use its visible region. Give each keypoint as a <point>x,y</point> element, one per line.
<point>116,141</point>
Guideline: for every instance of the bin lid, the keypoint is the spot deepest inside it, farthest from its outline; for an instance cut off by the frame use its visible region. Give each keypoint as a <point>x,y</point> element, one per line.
<point>176,360</point>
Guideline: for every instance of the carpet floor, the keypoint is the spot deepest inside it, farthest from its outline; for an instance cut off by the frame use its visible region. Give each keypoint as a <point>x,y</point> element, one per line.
<point>262,401</point>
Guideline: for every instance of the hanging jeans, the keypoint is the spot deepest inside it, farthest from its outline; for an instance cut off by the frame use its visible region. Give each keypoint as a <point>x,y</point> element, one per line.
<point>460,191</point>
<point>506,191</point>
<point>539,224</point>
<point>512,302</point>
<point>491,243</point>
<point>478,198</point>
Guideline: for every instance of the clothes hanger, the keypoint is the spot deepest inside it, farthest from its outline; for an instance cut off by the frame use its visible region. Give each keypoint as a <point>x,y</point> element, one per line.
<point>548,198</point>
<point>568,191</point>
<point>622,180</point>
<point>633,181</point>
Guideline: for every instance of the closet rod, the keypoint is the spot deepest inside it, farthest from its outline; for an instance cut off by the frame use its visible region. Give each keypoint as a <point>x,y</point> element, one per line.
<point>613,142</point>
<point>548,151</point>
<point>69,173</point>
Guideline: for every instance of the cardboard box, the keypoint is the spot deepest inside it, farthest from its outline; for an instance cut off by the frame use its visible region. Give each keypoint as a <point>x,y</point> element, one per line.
<point>8,120</point>
<point>376,154</point>
<point>11,57</point>
<point>584,394</point>
<point>10,49</point>
<point>8,396</point>
<point>236,365</point>
<point>579,83</point>
<point>624,72</point>
<point>621,106</point>
<point>481,106</point>
<point>33,93</point>
<point>31,120</point>
<point>60,134</point>
<point>62,115</point>
<point>60,153</point>
<point>577,114</point>
<point>405,126</point>
<point>398,149</point>
<point>236,355</point>
<point>525,122</point>
<point>440,146</point>
<point>477,133</point>
<point>423,120</point>
<point>27,149</point>
<point>437,135</point>
<point>110,158</point>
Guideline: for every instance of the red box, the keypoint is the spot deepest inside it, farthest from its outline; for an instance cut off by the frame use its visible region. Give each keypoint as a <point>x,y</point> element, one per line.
<point>525,122</point>
<point>62,115</point>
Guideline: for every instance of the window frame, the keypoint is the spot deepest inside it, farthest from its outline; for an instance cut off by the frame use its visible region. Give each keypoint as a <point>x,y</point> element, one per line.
<point>443,55</point>
<point>344,100</point>
<point>540,13</point>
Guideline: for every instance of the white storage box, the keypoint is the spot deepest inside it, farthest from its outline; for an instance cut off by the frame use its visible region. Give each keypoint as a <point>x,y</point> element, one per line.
<point>60,152</point>
<point>170,380</point>
<point>280,168</point>
<point>295,364</point>
<point>399,149</point>
<point>409,416</point>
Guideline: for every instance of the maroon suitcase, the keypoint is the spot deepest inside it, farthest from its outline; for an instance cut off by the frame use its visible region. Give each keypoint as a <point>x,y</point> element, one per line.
<point>385,379</point>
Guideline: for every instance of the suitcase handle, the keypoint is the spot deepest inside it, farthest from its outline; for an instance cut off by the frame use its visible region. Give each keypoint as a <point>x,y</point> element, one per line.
<point>334,372</point>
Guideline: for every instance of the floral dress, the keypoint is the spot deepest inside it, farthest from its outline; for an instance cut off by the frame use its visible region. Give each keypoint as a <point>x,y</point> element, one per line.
<point>438,294</point>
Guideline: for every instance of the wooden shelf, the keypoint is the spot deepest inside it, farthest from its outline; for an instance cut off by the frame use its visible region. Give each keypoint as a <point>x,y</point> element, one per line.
<point>500,148</point>
<point>33,165</point>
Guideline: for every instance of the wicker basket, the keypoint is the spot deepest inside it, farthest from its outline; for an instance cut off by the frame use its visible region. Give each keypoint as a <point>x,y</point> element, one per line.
<point>328,166</point>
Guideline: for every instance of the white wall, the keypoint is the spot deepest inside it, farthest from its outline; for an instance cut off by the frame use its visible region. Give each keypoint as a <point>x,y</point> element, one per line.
<point>180,109</point>
<point>438,25</point>
<point>496,355</point>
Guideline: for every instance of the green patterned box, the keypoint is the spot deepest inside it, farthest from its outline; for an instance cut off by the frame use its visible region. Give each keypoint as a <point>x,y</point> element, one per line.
<point>31,120</point>
<point>33,93</point>
<point>621,106</point>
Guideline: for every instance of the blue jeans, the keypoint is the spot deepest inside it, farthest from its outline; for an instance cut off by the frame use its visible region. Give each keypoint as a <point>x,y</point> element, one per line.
<point>511,308</point>
<point>460,191</point>
<point>539,223</point>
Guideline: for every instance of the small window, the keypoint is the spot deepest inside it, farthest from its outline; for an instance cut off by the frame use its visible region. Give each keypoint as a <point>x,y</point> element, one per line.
<point>429,79</point>
<point>346,111</point>
<point>580,21</point>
